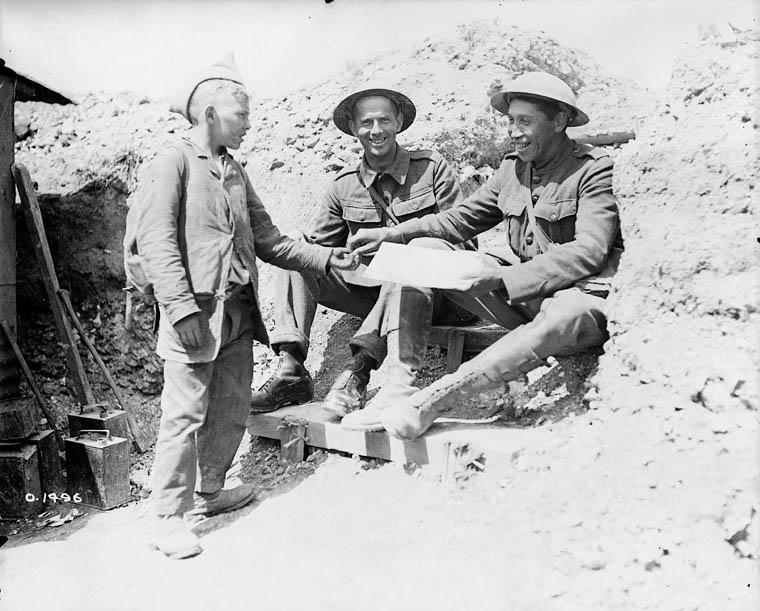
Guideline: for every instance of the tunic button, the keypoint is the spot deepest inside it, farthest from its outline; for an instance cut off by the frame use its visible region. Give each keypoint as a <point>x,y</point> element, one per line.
<point>361,216</point>
<point>529,240</point>
<point>554,217</point>
<point>534,198</point>
<point>416,205</point>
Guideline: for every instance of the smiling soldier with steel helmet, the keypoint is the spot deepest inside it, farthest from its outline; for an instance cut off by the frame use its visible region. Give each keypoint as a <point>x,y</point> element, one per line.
<point>388,185</point>
<point>561,218</point>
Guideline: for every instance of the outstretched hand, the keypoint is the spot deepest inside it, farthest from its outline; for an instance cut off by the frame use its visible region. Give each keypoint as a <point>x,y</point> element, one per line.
<point>367,241</point>
<point>343,258</point>
<point>486,277</point>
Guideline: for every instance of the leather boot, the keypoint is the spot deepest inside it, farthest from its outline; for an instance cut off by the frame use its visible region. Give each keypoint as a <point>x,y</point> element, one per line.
<point>290,384</point>
<point>222,501</point>
<point>349,391</point>
<point>507,359</point>
<point>408,331</point>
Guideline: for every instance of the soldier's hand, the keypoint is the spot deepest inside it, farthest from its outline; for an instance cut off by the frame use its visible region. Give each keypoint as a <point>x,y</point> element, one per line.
<point>486,277</point>
<point>367,241</point>
<point>342,258</point>
<point>193,330</point>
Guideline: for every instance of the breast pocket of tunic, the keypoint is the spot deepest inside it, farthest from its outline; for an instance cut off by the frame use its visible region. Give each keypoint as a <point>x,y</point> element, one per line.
<point>417,203</point>
<point>360,217</point>
<point>557,219</point>
<point>514,210</point>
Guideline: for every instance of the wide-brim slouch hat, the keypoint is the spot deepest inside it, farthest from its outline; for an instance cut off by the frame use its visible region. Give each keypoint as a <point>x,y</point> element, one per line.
<point>540,85</point>
<point>224,68</point>
<point>342,113</point>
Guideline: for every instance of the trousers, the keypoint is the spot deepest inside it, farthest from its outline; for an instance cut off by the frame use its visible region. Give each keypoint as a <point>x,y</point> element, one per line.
<point>567,322</point>
<point>204,408</point>
<point>298,293</point>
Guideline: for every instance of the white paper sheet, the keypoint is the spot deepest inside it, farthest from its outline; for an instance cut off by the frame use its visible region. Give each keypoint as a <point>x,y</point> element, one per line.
<point>416,266</point>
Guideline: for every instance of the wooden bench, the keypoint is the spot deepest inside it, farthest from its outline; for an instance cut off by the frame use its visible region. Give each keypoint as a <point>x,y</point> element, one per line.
<point>300,426</point>
<point>458,340</point>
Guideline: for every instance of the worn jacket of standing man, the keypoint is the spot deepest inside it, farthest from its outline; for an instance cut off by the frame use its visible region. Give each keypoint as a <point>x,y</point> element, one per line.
<point>555,198</point>
<point>389,185</point>
<point>199,227</point>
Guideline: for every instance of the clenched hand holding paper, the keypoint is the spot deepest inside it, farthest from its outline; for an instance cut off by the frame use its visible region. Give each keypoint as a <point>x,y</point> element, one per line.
<point>416,266</point>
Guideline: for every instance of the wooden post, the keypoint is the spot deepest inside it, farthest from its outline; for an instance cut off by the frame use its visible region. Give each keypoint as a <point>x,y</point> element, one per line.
<point>31,209</point>
<point>293,439</point>
<point>455,349</point>
<point>9,373</point>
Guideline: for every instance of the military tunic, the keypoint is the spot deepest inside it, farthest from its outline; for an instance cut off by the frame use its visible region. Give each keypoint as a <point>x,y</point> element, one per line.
<point>573,203</point>
<point>417,184</point>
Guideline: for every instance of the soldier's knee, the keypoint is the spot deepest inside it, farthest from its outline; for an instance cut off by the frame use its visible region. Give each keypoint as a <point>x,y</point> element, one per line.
<point>569,306</point>
<point>436,243</point>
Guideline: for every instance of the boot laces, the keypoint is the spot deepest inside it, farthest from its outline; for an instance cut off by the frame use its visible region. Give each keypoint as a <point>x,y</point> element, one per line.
<point>266,386</point>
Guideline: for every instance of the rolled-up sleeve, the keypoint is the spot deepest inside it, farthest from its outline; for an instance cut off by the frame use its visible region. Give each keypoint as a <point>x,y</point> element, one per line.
<point>597,225</point>
<point>276,248</point>
<point>158,241</point>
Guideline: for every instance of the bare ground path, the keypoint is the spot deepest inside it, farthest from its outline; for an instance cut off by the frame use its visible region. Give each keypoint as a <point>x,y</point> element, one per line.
<point>346,538</point>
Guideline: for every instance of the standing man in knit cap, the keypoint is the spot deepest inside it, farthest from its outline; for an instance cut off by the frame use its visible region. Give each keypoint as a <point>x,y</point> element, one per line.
<point>389,185</point>
<point>561,219</point>
<point>199,227</point>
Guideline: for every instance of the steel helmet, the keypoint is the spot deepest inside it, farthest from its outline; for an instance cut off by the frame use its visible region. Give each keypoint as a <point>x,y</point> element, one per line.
<point>540,85</point>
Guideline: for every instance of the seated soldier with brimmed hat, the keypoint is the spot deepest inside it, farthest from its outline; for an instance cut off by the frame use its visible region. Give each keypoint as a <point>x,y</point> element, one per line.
<point>389,185</point>
<point>199,227</point>
<point>561,219</point>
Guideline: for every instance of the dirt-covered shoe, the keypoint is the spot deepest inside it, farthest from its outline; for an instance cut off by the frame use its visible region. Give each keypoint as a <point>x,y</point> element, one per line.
<point>283,388</point>
<point>367,419</point>
<point>221,501</point>
<point>407,421</point>
<point>347,394</point>
<point>174,538</point>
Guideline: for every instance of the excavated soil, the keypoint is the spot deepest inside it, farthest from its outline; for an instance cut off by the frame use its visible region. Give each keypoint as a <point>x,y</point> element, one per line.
<point>640,492</point>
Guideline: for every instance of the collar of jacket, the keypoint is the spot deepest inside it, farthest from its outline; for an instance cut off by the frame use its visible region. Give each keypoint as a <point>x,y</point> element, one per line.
<point>398,170</point>
<point>565,150</point>
<point>224,156</point>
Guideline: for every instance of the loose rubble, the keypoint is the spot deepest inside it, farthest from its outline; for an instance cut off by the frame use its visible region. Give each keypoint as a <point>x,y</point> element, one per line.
<point>646,495</point>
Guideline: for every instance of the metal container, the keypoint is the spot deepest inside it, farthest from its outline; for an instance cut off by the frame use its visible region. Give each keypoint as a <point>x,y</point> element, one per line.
<point>97,468</point>
<point>51,475</point>
<point>18,417</point>
<point>99,417</point>
<point>20,489</point>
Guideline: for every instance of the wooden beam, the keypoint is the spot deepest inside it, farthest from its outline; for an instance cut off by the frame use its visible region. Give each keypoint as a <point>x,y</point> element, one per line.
<point>37,235</point>
<point>498,444</point>
<point>477,337</point>
<point>9,373</point>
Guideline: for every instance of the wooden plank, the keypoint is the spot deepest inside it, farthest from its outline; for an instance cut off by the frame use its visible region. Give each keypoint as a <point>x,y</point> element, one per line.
<point>606,139</point>
<point>9,375</point>
<point>498,444</point>
<point>33,216</point>
<point>293,436</point>
<point>455,349</point>
<point>476,338</point>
